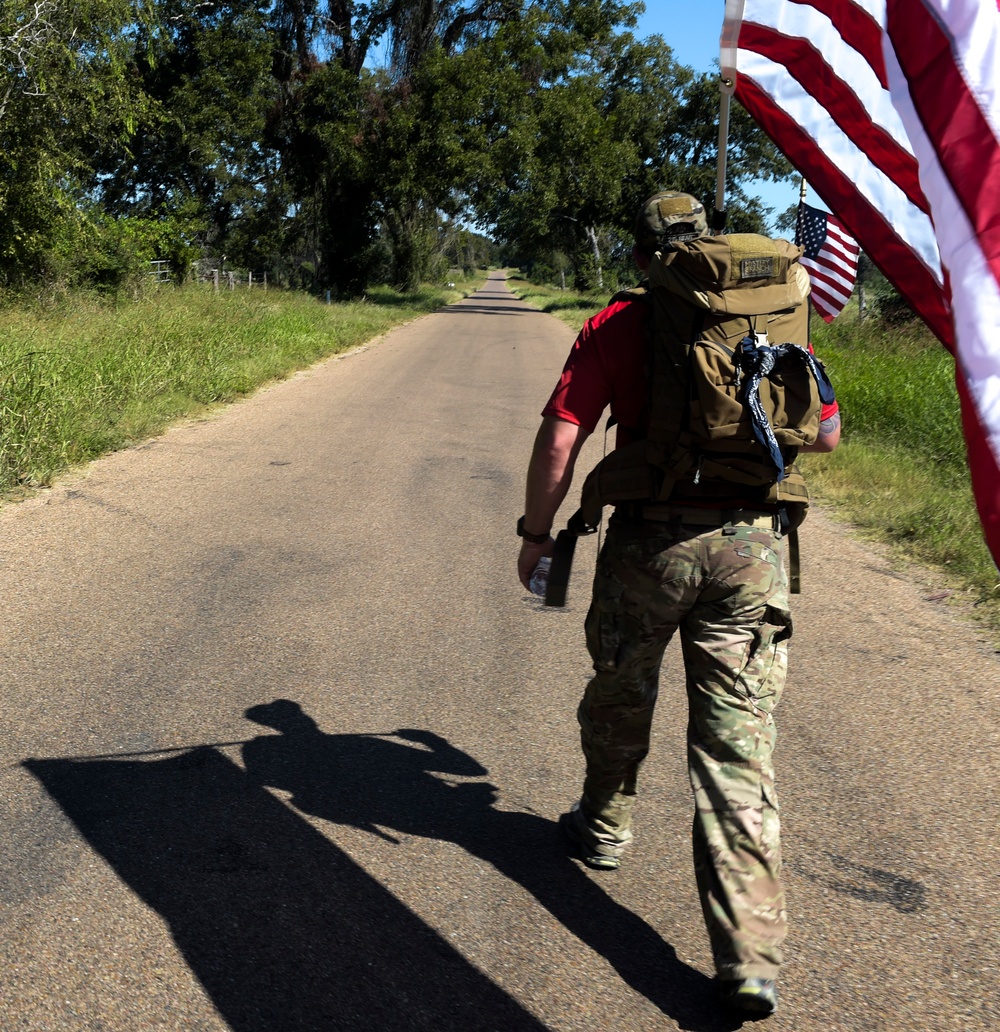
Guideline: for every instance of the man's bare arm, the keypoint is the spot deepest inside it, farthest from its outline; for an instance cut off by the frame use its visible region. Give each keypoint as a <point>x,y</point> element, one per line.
<point>829,435</point>
<point>550,474</point>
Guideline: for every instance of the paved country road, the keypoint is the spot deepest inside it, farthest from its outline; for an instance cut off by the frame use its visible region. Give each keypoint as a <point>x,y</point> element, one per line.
<point>182,851</point>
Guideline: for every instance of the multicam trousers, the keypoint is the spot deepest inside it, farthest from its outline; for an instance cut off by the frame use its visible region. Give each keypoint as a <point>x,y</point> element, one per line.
<point>725,588</point>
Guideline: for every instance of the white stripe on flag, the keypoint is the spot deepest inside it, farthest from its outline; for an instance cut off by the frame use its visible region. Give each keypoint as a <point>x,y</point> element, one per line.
<point>816,31</point>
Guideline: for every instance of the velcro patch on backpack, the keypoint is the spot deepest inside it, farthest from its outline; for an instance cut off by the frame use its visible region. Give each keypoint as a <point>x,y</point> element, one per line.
<point>754,257</point>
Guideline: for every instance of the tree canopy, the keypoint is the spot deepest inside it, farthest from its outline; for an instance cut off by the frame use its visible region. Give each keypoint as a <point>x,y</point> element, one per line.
<point>334,143</point>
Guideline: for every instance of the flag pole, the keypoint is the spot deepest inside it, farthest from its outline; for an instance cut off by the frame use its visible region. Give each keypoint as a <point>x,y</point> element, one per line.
<point>728,44</point>
<point>798,240</point>
<point>798,212</point>
<point>719,216</point>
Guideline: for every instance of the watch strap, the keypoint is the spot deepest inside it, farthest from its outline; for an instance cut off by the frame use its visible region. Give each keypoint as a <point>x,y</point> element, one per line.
<point>535,539</point>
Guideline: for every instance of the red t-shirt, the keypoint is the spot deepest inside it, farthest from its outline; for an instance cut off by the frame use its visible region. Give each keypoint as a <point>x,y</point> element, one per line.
<point>607,366</point>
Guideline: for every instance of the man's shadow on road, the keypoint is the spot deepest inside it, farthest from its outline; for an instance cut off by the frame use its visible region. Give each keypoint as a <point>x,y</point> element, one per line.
<point>285,930</point>
<point>388,784</point>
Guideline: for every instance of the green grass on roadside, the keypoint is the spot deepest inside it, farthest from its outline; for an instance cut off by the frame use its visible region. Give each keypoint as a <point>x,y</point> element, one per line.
<point>78,379</point>
<point>900,475</point>
<point>572,308</point>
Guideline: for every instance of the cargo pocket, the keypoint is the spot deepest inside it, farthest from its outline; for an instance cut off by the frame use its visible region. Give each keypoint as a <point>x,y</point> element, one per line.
<point>603,626</point>
<point>763,675</point>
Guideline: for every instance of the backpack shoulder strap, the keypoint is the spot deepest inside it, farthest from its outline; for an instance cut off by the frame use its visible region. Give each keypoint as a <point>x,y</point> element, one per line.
<point>640,292</point>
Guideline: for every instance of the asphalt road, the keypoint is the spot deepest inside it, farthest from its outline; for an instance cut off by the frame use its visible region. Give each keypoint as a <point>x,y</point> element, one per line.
<point>182,851</point>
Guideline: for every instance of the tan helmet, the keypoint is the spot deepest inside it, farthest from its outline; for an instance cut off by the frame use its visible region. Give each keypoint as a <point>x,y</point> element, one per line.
<point>669,217</point>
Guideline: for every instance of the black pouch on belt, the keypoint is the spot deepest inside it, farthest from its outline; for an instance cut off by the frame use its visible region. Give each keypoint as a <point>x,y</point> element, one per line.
<point>562,559</point>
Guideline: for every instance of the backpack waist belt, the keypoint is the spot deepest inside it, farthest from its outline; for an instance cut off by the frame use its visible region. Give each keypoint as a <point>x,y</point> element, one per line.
<point>695,516</point>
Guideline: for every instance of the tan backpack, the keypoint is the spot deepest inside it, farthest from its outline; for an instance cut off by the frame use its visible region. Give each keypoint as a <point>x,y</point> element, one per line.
<point>734,391</point>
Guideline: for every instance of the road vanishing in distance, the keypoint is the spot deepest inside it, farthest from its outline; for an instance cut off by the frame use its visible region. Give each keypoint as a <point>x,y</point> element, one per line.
<point>284,741</point>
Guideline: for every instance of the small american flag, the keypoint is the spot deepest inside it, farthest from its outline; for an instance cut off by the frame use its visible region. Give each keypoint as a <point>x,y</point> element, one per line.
<point>831,259</point>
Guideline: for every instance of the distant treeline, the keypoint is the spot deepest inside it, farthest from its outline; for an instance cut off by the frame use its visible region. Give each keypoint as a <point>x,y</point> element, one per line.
<point>337,144</point>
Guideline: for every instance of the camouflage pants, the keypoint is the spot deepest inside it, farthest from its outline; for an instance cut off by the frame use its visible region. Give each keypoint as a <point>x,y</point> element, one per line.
<point>724,588</point>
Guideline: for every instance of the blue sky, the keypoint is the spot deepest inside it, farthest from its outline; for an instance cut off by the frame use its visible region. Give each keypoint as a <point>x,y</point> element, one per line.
<point>692,29</point>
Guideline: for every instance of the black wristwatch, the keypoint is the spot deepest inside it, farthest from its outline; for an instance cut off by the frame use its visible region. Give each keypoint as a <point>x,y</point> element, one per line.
<point>535,539</point>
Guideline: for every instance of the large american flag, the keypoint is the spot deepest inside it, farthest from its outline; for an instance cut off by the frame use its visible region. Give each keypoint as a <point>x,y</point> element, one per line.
<point>891,111</point>
<point>830,258</point>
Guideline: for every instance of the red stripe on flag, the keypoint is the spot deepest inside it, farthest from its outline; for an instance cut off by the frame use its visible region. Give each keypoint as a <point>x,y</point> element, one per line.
<point>983,467</point>
<point>900,264</point>
<point>826,312</point>
<point>857,28</point>
<point>806,65</point>
<point>833,300</point>
<point>837,273</point>
<point>840,257</point>
<point>962,138</point>
<point>829,302</point>
<point>827,308</point>
<point>838,237</point>
<point>842,250</point>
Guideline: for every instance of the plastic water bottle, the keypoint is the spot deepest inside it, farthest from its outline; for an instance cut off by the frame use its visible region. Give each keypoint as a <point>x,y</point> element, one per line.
<point>540,578</point>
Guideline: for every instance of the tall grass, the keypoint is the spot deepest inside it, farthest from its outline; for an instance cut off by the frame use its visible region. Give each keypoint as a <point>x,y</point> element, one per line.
<point>81,378</point>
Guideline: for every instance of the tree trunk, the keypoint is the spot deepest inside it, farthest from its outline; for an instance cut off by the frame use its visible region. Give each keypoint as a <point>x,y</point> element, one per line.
<point>592,234</point>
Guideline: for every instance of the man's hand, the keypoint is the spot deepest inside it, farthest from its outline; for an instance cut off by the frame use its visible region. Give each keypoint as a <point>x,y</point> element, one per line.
<point>528,558</point>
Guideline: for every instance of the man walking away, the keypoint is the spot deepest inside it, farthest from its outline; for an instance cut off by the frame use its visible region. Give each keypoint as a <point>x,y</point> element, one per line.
<point>701,553</point>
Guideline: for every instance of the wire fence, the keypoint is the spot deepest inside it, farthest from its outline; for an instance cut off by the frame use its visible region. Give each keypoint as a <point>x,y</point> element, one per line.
<point>219,278</point>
